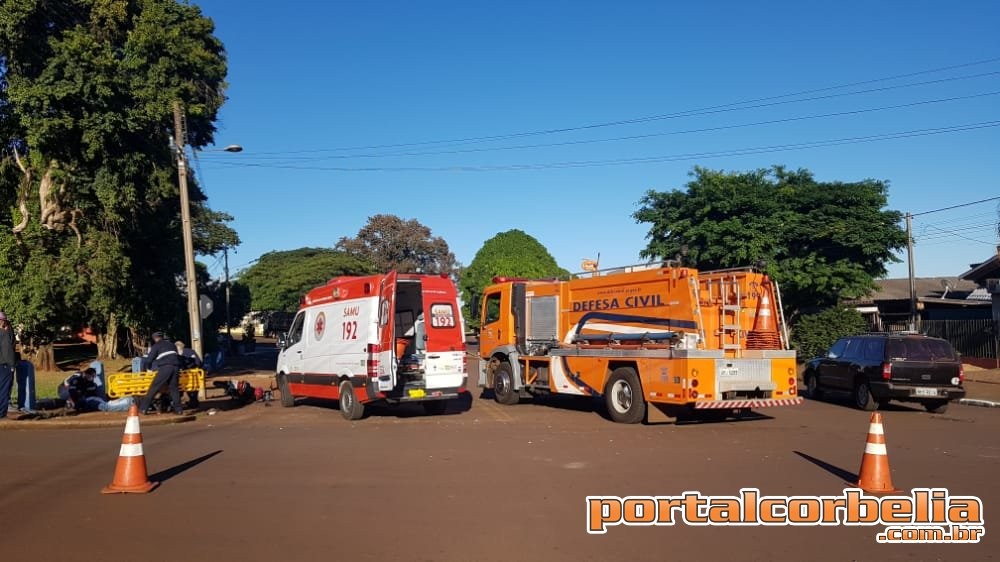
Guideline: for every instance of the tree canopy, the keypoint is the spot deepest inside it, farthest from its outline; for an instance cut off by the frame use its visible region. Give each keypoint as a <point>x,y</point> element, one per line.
<point>391,243</point>
<point>90,208</point>
<point>279,279</point>
<point>821,241</point>
<point>512,253</point>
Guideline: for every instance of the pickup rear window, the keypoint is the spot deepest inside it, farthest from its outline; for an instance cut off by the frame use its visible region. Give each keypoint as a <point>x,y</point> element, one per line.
<point>921,350</point>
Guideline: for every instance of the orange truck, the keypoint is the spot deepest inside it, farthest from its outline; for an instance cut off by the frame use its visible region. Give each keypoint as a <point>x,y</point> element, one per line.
<point>661,335</point>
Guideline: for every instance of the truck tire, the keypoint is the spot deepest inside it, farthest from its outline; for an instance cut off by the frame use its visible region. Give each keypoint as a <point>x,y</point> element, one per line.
<point>623,396</point>
<point>503,385</point>
<point>287,400</point>
<point>813,390</point>
<point>350,408</point>
<point>435,407</point>
<point>863,399</point>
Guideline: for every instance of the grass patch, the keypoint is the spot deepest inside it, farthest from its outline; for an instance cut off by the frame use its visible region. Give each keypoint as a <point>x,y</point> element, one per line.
<point>47,382</point>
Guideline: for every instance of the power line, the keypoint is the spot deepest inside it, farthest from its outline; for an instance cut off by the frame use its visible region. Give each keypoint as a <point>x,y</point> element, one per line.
<point>631,137</point>
<point>642,160</point>
<point>944,233</point>
<point>960,219</point>
<point>685,113</point>
<point>955,206</point>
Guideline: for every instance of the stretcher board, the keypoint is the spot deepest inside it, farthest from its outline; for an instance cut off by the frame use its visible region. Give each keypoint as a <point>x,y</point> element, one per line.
<point>137,384</point>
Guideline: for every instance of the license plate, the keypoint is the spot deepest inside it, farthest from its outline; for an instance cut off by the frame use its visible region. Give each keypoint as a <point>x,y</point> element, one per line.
<point>729,371</point>
<point>926,392</point>
<point>417,393</point>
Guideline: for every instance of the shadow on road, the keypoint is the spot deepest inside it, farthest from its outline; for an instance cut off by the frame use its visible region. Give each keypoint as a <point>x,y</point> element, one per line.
<point>164,475</point>
<point>844,400</point>
<point>463,403</point>
<point>845,475</point>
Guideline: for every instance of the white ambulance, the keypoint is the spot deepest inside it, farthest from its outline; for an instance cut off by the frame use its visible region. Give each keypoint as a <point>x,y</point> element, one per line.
<point>390,338</point>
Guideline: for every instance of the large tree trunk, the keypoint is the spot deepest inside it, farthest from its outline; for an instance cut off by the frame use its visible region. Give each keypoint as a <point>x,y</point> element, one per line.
<point>43,357</point>
<point>107,343</point>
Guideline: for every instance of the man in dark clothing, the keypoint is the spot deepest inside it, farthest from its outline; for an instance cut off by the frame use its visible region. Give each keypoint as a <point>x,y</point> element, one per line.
<point>80,391</point>
<point>7,362</point>
<point>163,358</point>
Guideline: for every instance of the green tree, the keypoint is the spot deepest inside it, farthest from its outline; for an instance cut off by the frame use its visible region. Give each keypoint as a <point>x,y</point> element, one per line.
<point>393,244</point>
<point>512,253</point>
<point>90,187</point>
<point>821,241</point>
<point>813,334</point>
<point>279,279</point>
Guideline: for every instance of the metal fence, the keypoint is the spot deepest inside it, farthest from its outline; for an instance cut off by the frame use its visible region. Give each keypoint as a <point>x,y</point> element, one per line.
<point>971,338</point>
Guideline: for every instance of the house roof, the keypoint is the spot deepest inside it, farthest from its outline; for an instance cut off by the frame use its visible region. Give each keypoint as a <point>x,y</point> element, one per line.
<point>925,288</point>
<point>989,269</point>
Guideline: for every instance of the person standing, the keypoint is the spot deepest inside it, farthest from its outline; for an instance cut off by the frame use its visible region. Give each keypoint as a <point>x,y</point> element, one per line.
<point>24,371</point>
<point>189,360</point>
<point>7,362</point>
<point>163,358</point>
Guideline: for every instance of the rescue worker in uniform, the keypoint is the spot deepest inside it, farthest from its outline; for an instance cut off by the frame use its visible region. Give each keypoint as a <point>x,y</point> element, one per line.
<point>163,358</point>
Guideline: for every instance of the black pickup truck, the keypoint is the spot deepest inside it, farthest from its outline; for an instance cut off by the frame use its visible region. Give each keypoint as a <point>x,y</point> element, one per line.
<point>877,368</point>
<point>277,323</point>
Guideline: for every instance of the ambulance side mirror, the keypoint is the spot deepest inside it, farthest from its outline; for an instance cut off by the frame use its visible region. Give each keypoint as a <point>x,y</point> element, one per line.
<point>282,340</point>
<point>474,306</point>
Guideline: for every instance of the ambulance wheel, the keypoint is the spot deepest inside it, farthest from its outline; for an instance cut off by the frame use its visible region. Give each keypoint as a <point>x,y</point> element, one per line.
<point>503,385</point>
<point>287,400</point>
<point>623,396</point>
<point>350,408</point>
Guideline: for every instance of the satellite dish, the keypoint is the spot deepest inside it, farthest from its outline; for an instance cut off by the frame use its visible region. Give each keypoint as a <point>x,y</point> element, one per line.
<point>946,285</point>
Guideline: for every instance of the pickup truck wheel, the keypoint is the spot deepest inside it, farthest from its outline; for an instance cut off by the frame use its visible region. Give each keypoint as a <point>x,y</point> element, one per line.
<point>623,396</point>
<point>813,390</point>
<point>936,406</point>
<point>503,385</point>
<point>287,400</point>
<point>350,408</point>
<point>863,398</point>
<point>435,407</point>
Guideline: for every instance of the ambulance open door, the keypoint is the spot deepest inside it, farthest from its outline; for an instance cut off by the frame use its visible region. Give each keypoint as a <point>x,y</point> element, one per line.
<point>387,361</point>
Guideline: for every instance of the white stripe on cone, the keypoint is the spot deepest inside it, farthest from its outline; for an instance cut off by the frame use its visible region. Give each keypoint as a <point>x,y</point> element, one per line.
<point>875,449</point>
<point>131,450</point>
<point>876,429</point>
<point>132,426</point>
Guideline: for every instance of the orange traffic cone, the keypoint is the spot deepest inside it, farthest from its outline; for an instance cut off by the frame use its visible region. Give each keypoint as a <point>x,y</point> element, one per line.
<point>874,476</point>
<point>764,334</point>
<point>130,473</point>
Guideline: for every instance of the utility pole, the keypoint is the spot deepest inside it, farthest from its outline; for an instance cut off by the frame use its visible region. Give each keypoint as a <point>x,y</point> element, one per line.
<point>909,258</point>
<point>225,253</point>
<point>194,311</point>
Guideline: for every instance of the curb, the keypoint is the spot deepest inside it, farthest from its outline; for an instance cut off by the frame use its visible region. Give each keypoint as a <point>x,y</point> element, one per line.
<point>981,403</point>
<point>92,423</point>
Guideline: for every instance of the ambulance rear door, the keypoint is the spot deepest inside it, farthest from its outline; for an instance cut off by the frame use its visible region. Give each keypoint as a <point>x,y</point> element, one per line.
<point>387,361</point>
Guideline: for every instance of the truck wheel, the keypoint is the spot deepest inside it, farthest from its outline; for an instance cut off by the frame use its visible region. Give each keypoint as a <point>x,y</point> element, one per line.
<point>863,398</point>
<point>937,406</point>
<point>623,396</point>
<point>812,386</point>
<point>435,407</point>
<point>503,385</point>
<point>350,408</point>
<point>287,400</point>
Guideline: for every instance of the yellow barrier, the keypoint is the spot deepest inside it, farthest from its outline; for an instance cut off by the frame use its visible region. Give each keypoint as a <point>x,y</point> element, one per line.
<point>137,384</point>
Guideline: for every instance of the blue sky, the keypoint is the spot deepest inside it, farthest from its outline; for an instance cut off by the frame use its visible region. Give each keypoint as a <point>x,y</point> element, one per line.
<point>313,85</point>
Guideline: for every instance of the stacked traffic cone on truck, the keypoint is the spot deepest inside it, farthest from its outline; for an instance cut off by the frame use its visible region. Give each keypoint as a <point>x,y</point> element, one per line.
<point>764,334</point>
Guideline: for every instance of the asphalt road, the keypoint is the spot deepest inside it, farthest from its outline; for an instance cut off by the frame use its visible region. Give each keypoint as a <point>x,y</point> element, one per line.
<point>488,483</point>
